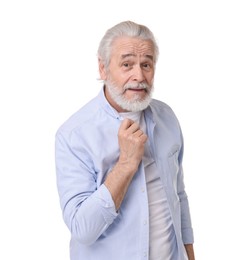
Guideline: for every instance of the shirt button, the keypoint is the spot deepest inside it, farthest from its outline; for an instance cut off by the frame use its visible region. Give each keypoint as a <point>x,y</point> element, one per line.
<point>145,222</point>
<point>145,254</point>
<point>143,190</point>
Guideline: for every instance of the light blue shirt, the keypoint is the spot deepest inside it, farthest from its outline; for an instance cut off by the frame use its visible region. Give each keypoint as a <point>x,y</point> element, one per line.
<point>86,151</point>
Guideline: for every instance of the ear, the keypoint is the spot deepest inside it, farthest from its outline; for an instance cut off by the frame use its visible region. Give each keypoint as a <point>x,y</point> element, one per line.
<point>102,70</point>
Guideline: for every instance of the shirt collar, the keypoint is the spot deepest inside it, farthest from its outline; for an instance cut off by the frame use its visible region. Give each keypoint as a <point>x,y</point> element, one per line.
<point>106,105</point>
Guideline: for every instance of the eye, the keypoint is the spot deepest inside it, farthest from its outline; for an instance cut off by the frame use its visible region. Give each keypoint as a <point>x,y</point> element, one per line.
<point>146,66</point>
<point>127,65</point>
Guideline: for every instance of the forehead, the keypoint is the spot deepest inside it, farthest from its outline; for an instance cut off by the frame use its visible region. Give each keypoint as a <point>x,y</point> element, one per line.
<point>132,46</point>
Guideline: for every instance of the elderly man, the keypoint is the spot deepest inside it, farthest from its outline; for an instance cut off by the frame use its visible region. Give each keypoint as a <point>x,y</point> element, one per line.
<point>119,161</point>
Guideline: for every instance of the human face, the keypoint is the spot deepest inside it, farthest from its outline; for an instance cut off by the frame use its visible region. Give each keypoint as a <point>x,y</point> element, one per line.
<point>129,77</point>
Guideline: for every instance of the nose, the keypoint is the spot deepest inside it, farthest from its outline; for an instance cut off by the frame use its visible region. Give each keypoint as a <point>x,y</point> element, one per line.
<point>138,74</point>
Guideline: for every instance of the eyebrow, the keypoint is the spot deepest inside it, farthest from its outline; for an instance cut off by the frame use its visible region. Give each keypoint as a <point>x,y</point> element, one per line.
<point>123,56</point>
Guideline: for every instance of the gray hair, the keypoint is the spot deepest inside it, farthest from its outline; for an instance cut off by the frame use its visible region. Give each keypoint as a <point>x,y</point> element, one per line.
<point>127,28</point>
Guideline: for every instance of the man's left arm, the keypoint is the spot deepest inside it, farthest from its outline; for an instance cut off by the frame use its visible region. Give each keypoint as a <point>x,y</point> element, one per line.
<point>190,251</point>
<point>186,225</point>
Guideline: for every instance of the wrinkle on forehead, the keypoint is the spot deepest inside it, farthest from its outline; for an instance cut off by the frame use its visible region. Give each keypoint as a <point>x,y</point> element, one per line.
<point>124,56</point>
<point>129,46</point>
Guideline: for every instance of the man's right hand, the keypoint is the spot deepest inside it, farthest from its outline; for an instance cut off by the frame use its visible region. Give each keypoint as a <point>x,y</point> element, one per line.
<point>131,142</point>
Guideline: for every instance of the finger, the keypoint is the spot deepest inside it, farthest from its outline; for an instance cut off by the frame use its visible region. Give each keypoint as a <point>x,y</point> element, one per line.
<point>129,125</point>
<point>134,127</point>
<point>138,133</point>
<point>126,123</point>
<point>143,138</point>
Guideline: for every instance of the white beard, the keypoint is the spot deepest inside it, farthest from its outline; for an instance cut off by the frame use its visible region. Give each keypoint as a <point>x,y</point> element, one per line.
<point>136,103</point>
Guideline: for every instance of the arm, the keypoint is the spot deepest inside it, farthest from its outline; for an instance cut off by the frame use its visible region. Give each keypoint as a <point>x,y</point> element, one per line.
<point>87,210</point>
<point>190,251</point>
<point>186,225</point>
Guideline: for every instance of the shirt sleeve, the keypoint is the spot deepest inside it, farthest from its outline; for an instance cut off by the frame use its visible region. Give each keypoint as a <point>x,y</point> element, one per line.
<point>186,225</point>
<point>88,210</point>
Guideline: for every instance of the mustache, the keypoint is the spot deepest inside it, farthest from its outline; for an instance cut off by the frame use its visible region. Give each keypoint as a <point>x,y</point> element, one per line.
<point>136,86</point>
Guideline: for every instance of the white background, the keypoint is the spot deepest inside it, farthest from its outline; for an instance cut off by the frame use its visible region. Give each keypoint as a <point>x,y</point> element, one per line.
<point>48,70</point>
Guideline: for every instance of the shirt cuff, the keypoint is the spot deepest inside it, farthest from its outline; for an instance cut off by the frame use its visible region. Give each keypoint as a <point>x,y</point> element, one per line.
<point>104,199</point>
<point>187,236</point>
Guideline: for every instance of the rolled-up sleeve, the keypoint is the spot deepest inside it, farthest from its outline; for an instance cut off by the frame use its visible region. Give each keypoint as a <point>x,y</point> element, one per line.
<point>94,216</point>
<point>88,210</point>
